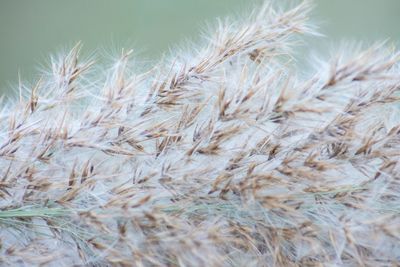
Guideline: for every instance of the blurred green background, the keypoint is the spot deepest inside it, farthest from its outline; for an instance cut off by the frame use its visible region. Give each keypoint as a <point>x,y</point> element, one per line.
<point>30,30</point>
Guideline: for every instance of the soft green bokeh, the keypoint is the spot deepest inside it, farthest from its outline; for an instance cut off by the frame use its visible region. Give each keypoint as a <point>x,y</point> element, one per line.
<point>32,29</point>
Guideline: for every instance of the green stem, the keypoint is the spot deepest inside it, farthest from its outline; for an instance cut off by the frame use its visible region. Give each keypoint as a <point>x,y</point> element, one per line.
<point>33,212</point>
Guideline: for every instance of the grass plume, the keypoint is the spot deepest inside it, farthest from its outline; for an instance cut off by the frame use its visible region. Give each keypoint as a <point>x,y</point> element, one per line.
<point>224,156</point>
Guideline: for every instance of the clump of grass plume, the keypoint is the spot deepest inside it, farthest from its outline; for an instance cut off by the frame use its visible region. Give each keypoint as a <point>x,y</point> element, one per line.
<point>225,157</point>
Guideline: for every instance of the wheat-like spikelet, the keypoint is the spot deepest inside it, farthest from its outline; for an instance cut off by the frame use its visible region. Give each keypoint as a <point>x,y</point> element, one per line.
<point>226,157</point>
